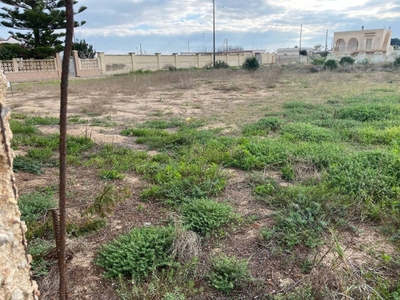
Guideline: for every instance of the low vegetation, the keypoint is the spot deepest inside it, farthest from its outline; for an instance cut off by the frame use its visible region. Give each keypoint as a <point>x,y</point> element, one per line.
<point>274,204</point>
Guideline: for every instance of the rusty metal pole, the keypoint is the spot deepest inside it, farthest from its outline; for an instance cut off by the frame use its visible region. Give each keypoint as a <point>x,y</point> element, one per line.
<point>69,10</point>
<point>213,33</point>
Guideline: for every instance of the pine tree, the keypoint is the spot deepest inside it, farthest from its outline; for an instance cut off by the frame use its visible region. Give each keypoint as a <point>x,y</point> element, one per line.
<point>43,19</point>
<point>84,49</point>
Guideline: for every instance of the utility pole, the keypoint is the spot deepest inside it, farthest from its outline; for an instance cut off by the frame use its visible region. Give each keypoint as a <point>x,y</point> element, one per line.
<point>213,33</point>
<point>188,43</point>
<point>326,41</point>
<point>301,29</point>
<point>140,48</point>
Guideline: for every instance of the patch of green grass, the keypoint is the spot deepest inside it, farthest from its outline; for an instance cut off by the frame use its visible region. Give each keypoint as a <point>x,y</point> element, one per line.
<point>262,126</point>
<point>307,112</point>
<point>76,120</point>
<point>172,283</point>
<point>303,213</point>
<point>119,159</point>
<point>103,122</point>
<point>369,112</point>
<point>38,248</point>
<point>180,182</point>
<point>137,254</point>
<point>20,127</point>
<point>370,135</point>
<point>42,120</point>
<point>308,133</point>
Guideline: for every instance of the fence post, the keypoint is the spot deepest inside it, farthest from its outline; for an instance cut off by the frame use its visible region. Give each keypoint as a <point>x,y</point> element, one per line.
<point>15,65</point>
<point>198,60</point>
<point>100,55</point>
<point>133,60</point>
<point>158,61</point>
<point>77,62</point>
<point>176,59</point>
<point>57,65</point>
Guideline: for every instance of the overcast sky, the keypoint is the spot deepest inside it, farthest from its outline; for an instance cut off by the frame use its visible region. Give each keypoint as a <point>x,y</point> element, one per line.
<point>150,26</point>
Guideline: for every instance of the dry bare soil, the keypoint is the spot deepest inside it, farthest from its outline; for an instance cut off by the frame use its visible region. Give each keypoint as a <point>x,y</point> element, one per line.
<point>223,99</point>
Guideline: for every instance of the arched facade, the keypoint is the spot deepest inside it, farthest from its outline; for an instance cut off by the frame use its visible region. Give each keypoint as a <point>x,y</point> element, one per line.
<point>369,41</point>
<point>340,45</point>
<point>352,45</point>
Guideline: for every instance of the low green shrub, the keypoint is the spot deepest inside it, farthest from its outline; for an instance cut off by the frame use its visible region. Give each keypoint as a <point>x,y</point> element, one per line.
<point>346,60</point>
<point>397,62</point>
<point>34,206</point>
<point>331,64</point>
<point>303,212</point>
<point>366,175</point>
<point>105,202</point>
<point>251,64</point>
<point>27,164</point>
<point>220,64</point>
<point>205,216</point>
<point>228,273</point>
<point>137,254</point>
<point>300,223</point>
<point>317,60</point>
<point>40,154</point>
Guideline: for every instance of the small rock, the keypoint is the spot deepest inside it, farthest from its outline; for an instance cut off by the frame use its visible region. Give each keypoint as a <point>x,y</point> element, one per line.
<point>286,283</point>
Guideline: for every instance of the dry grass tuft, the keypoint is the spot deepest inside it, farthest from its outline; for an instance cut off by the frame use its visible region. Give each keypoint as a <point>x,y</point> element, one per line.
<point>186,246</point>
<point>99,106</point>
<point>49,284</point>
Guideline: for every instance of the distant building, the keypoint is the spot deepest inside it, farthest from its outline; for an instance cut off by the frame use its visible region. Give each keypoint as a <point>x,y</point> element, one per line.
<point>10,40</point>
<point>363,41</point>
<point>291,51</point>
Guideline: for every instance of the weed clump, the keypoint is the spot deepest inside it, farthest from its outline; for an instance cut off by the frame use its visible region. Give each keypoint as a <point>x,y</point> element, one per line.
<point>205,216</point>
<point>137,254</point>
<point>34,206</point>
<point>220,64</point>
<point>262,126</point>
<point>228,273</point>
<point>182,182</point>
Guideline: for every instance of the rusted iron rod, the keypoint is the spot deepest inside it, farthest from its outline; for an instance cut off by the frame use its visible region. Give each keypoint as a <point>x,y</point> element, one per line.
<point>69,10</point>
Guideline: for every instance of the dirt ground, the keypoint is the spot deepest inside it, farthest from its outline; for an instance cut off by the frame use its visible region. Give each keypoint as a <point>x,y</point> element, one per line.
<point>224,100</point>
